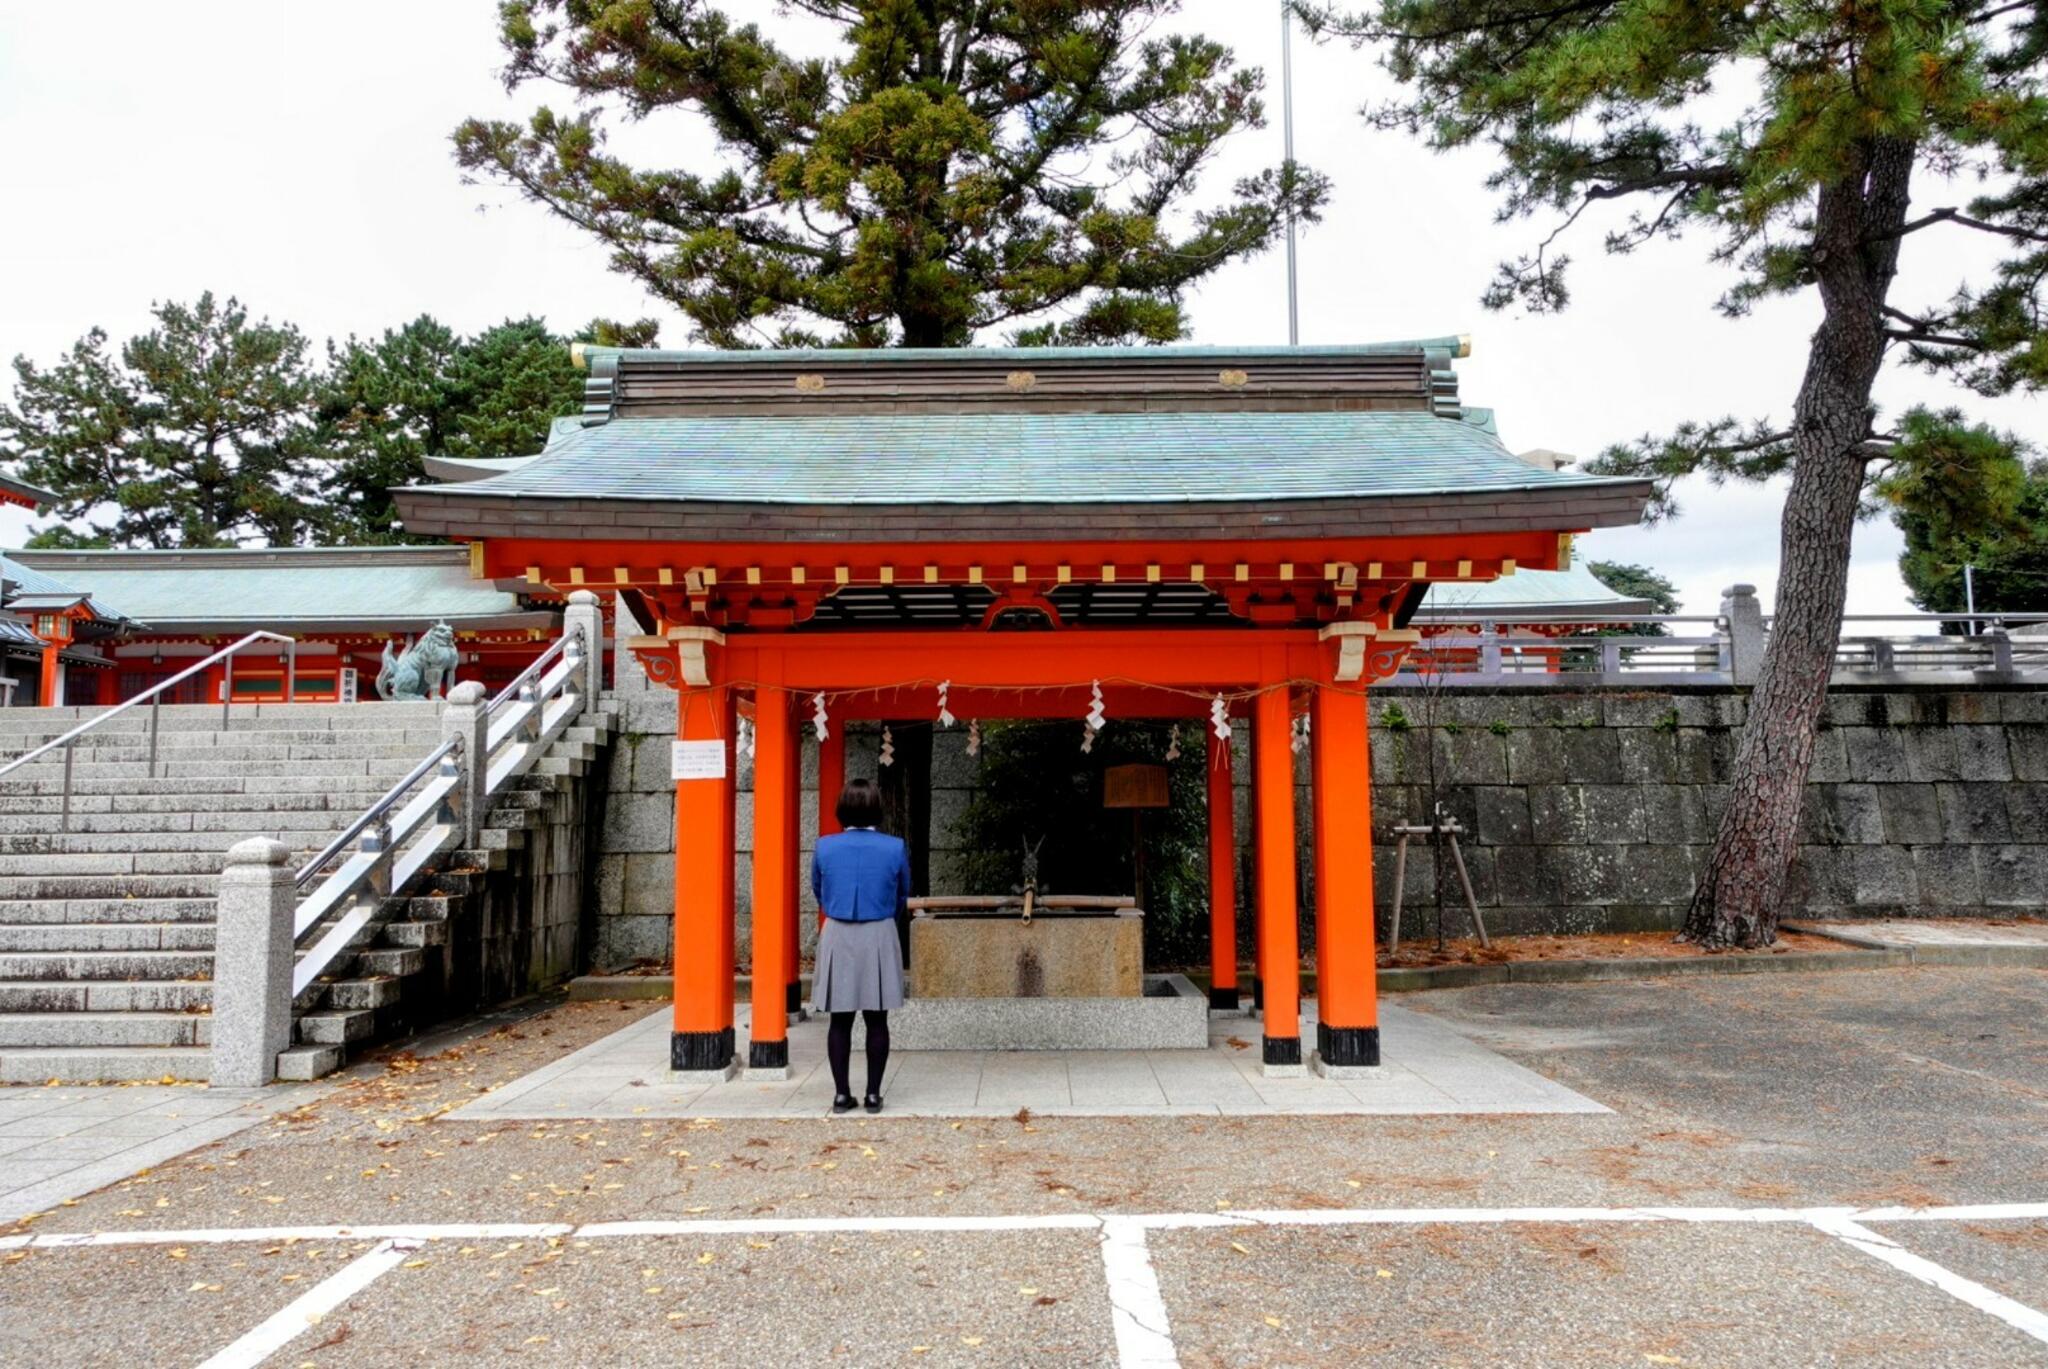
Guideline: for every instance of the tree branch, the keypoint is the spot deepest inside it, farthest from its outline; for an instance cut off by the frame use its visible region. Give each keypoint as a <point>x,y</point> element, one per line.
<point>1951,214</point>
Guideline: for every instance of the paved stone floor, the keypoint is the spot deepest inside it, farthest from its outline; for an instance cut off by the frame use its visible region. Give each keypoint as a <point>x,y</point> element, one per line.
<point>1429,1069</point>
<point>60,1142</point>
<point>1946,931</point>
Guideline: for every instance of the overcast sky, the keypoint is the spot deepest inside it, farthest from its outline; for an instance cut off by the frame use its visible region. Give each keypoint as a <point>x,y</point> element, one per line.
<point>297,155</point>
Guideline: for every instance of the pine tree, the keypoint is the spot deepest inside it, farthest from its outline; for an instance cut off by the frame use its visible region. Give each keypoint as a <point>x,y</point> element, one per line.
<point>196,435</point>
<point>1637,582</point>
<point>1792,134</point>
<point>955,166</point>
<point>418,391</point>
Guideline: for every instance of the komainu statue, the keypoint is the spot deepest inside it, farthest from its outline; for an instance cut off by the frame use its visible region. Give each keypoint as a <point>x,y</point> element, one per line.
<point>421,669</point>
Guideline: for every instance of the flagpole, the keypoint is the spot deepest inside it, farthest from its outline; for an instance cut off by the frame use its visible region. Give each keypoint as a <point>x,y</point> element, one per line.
<point>1287,136</point>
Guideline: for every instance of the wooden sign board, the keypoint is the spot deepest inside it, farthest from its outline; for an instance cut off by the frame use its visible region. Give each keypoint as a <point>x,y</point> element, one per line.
<point>1134,786</point>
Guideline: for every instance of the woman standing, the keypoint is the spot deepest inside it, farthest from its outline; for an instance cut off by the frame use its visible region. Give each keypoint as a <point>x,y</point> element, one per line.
<point>861,877</point>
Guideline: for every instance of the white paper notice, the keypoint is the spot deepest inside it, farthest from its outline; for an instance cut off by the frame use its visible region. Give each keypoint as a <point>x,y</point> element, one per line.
<point>697,761</point>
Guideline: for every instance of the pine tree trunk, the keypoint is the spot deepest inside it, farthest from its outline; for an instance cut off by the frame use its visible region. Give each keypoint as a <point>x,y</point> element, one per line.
<point>1855,252</point>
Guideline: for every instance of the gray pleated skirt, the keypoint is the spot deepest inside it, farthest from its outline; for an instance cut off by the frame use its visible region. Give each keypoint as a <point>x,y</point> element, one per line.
<point>860,967</point>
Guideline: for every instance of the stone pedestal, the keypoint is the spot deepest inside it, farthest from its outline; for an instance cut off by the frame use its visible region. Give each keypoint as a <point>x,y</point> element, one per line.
<point>1056,955</point>
<point>1171,1014</point>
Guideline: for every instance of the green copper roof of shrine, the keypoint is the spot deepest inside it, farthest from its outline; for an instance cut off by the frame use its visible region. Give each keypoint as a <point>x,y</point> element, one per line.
<point>1528,593</point>
<point>1056,458</point>
<point>1085,429</point>
<point>330,587</point>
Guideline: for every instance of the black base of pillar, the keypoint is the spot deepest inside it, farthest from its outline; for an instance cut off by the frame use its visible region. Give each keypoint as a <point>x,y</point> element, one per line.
<point>794,998</point>
<point>1224,1000</point>
<point>700,1050</point>
<point>1348,1045</point>
<point>768,1055</point>
<point>1258,994</point>
<point>1283,1050</point>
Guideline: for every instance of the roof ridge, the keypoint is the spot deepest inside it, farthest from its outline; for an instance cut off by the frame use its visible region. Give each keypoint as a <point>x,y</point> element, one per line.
<point>1456,344</point>
<point>88,556</point>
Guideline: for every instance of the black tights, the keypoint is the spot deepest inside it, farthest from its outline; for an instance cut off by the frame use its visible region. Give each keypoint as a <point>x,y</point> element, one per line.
<point>839,1050</point>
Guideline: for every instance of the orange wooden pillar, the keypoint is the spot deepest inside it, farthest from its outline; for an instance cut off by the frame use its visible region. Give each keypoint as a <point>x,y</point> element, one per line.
<point>1258,889</point>
<point>1347,991</point>
<point>705,721</point>
<point>1279,943</point>
<point>792,899</point>
<point>51,686</point>
<point>1222,878</point>
<point>775,801</point>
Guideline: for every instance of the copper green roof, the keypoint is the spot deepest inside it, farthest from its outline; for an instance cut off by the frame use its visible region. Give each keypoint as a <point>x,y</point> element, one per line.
<point>1008,457</point>
<point>311,587</point>
<point>1528,593</point>
<point>1259,441</point>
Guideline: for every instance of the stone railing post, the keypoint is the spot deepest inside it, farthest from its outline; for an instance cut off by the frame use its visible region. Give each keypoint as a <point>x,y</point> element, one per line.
<point>466,716</point>
<point>1747,636</point>
<point>252,964</point>
<point>585,616</point>
<point>2001,664</point>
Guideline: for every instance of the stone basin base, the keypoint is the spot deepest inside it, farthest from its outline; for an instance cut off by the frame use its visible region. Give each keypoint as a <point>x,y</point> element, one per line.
<point>1172,1015</point>
<point>1065,955</point>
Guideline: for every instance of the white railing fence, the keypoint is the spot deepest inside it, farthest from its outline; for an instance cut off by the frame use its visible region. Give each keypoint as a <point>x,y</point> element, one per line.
<point>1725,649</point>
<point>438,807</point>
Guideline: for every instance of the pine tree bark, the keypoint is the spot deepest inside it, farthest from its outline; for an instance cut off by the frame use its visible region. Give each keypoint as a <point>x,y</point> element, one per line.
<point>1854,256</point>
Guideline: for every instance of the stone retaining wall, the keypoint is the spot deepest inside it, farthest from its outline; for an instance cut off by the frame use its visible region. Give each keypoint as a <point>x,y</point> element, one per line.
<point>1593,810</point>
<point>1586,810</point>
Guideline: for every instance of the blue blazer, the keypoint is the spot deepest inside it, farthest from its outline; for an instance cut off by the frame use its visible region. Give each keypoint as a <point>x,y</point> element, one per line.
<point>861,876</point>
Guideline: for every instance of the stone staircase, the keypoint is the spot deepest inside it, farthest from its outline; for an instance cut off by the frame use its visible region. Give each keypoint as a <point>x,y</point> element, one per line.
<point>106,930</point>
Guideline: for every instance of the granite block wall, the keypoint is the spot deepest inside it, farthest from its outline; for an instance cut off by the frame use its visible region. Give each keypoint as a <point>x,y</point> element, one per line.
<point>1594,810</point>
<point>1584,810</point>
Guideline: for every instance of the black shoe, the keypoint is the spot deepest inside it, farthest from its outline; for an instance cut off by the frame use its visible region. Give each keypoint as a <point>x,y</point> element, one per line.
<point>844,1103</point>
<point>873,1103</point>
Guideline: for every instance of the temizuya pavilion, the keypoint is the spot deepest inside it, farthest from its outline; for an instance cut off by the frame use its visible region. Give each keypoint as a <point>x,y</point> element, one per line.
<point>1177,524</point>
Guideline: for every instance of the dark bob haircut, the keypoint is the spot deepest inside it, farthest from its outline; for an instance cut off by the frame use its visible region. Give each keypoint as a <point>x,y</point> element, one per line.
<point>860,804</point>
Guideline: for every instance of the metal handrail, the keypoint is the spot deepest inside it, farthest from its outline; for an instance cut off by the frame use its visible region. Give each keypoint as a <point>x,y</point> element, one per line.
<point>378,809</point>
<point>540,663</point>
<point>551,696</point>
<point>150,696</point>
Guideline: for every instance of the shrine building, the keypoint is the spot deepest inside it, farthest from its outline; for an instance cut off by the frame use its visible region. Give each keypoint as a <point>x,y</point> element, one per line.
<point>1231,536</point>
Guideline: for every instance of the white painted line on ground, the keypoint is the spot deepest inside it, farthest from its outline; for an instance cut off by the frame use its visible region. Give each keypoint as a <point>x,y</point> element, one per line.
<point>1137,1309</point>
<point>789,1226</point>
<point>294,1319</point>
<point>2017,1315</point>
<point>458,1231</point>
<point>1079,1221</point>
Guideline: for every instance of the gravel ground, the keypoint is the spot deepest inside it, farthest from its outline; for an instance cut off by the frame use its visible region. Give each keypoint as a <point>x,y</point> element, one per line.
<point>2006,1257</point>
<point>1917,1086</point>
<point>802,1299</point>
<point>149,1305</point>
<point>1581,1295</point>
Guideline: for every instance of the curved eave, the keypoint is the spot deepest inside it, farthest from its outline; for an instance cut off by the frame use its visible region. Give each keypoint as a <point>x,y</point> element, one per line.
<point>24,495</point>
<point>314,627</point>
<point>456,470</point>
<point>1569,507</point>
<point>1591,612</point>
